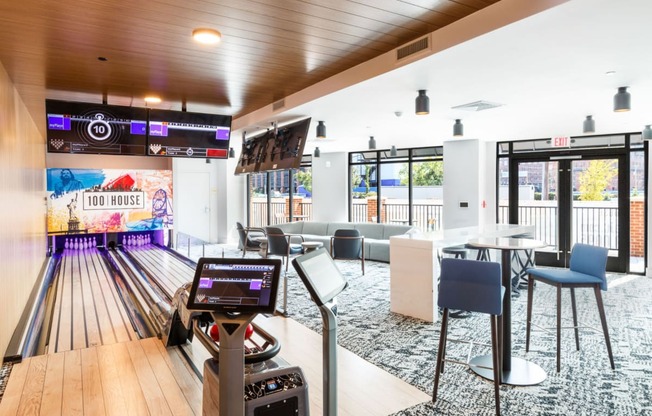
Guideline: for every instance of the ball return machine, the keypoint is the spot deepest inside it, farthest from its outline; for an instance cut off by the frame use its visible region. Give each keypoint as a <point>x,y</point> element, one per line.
<point>230,293</point>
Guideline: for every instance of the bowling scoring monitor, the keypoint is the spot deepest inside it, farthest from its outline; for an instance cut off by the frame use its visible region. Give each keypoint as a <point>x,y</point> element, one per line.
<point>235,285</point>
<point>320,275</point>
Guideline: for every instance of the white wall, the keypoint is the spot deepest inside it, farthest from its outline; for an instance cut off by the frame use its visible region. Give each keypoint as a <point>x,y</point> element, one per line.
<point>232,201</point>
<point>226,199</point>
<point>23,242</point>
<point>462,168</point>
<point>330,195</point>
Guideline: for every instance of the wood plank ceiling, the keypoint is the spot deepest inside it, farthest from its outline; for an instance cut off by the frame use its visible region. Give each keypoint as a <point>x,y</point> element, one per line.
<point>270,48</point>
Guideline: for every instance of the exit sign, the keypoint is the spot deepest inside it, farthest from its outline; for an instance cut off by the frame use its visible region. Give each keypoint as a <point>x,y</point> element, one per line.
<point>561,141</point>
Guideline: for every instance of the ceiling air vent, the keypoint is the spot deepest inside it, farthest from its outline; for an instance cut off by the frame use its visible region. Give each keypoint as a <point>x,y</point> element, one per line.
<point>277,105</point>
<point>412,48</point>
<point>477,106</point>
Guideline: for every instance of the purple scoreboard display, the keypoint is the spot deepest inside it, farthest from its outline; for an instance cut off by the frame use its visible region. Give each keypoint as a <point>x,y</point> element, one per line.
<point>184,134</point>
<point>95,128</point>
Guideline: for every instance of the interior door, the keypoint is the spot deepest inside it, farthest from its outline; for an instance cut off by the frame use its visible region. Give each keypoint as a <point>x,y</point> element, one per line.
<point>193,200</point>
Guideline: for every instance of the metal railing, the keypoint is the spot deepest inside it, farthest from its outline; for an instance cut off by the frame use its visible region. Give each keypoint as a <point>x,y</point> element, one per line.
<point>592,222</point>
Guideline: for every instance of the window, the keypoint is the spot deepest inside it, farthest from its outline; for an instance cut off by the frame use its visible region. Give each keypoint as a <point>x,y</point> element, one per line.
<point>280,196</point>
<point>405,188</point>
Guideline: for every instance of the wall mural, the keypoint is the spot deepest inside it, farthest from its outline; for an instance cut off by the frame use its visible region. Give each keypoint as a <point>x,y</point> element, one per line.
<point>108,200</point>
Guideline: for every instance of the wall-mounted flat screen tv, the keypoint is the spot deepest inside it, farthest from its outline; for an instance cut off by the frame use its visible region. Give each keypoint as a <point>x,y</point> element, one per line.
<point>253,149</point>
<point>284,151</point>
<point>74,127</point>
<point>278,149</point>
<point>184,134</point>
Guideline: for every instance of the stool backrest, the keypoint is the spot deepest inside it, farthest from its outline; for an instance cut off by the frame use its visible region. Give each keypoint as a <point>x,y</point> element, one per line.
<point>471,285</point>
<point>591,260</point>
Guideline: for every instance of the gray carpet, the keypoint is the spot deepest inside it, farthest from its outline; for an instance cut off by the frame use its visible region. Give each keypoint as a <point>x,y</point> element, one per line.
<point>407,347</point>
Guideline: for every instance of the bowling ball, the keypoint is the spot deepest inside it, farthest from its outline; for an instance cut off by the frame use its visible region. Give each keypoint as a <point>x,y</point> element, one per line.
<point>214,333</point>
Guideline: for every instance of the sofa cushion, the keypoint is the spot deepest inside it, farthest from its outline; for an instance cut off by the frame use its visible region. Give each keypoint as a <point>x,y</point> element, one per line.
<point>324,239</point>
<point>379,250</point>
<point>391,230</point>
<point>370,230</point>
<point>291,227</point>
<point>334,226</point>
<point>315,228</point>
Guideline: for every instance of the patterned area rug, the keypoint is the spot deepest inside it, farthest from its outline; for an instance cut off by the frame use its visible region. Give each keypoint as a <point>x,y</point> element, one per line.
<point>407,347</point>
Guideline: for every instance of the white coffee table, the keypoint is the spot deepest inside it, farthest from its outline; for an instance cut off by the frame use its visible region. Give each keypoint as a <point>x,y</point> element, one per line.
<point>309,246</point>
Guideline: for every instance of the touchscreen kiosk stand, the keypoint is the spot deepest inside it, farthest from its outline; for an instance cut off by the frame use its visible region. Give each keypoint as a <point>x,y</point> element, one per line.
<point>230,366</point>
<point>234,291</point>
<point>324,281</point>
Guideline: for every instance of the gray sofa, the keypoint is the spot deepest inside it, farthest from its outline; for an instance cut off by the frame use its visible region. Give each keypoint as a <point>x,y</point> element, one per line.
<point>376,236</point>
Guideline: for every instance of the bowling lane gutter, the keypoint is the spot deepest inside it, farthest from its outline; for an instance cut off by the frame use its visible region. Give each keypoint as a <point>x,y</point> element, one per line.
<point>34,325</point>
<point>136,305</point>
<point>151,277</point>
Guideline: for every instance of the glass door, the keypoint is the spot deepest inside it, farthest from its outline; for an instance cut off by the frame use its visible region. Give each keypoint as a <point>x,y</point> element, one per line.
<point>573,199</point>
<point>537,193</point>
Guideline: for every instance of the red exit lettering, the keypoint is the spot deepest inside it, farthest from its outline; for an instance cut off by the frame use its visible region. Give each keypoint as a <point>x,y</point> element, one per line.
<point>560,141</point>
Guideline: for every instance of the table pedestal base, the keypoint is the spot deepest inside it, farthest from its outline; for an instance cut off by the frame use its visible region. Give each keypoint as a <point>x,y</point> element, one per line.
<point>523,373</point>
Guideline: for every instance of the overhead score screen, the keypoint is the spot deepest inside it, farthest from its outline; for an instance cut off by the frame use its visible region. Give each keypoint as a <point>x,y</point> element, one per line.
<point>184,134</point>
<point>74,127</point>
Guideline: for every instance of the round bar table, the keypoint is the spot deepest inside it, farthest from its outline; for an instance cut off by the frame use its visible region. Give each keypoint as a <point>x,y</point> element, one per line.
<point>515,371</point>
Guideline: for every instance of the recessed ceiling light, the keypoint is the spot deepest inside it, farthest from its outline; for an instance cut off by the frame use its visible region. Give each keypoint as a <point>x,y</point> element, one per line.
<point>151,99</point>
<point>610,73</point>
<point>206,36</point>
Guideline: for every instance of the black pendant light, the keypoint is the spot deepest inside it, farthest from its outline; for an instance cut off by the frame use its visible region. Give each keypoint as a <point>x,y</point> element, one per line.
<point>458,128</point>
<point>589,125</point>
<point>422,103</point>
<point>231,153</point>
<point>317,152</point>
<point>622,100</point>
<point>372,143</point>
<point>392,152</point>
<point>321,130</point>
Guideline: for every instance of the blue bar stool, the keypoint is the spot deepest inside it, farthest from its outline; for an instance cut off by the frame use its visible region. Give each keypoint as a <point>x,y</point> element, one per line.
<point>587,269</point>
<point>473,286</point>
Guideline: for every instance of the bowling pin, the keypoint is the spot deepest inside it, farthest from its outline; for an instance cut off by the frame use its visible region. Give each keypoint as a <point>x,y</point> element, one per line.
<point>67,244</point>
<point>75,244</point>
<point>124,240</point>
<point>94,241</point>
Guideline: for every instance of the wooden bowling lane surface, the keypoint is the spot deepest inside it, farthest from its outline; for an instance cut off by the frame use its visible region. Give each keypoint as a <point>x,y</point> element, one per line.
<point>88,310</point>
<point>138,377</point>
<point>169,271</point>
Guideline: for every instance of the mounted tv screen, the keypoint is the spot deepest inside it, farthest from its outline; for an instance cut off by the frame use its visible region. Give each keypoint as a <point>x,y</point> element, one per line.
<point>253,149</point>
<point>74,127</point>
<point>274,150</point>
<point>284,151</point>
<point>184,134</point>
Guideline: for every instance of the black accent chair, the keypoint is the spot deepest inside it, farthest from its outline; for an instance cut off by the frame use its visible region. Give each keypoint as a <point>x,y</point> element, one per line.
<point>348,244</point>
<point>280,244</point>
<point>247,236</point>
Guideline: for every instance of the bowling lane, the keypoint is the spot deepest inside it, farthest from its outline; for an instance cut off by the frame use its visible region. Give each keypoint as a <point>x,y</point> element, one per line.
<point>169,272</point>
<point>88,310</point>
